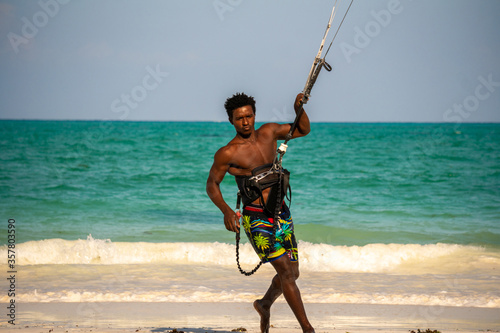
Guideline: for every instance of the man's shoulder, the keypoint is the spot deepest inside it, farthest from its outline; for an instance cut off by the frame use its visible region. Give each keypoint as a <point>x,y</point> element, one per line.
<point>226,151</point>
<point>267,129</point>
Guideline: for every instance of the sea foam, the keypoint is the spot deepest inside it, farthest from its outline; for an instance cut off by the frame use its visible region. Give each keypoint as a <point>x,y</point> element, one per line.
<point>371,258</point>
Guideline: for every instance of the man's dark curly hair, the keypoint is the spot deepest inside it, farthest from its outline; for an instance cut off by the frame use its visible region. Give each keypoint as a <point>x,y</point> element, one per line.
<point>237,101</point>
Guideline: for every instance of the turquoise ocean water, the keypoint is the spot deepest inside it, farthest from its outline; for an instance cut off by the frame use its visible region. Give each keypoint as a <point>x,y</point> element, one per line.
<point>420,202</point>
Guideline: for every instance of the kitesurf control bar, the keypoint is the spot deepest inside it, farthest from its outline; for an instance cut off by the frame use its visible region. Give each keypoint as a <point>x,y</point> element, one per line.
<point>319,62</point>
<point>311,79</point>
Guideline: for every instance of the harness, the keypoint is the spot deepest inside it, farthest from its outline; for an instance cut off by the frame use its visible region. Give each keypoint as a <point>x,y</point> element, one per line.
<point>273,175</point>
<point>266,176</point>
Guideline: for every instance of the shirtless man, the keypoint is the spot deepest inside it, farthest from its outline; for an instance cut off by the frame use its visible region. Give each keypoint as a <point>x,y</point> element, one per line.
<point>249,149</point>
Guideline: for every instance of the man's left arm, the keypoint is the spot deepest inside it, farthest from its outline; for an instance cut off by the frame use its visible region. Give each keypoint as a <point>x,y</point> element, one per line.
<point>303,125</point>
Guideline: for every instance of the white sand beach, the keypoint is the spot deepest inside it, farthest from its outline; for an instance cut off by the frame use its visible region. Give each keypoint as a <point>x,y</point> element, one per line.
<point>226,317</point>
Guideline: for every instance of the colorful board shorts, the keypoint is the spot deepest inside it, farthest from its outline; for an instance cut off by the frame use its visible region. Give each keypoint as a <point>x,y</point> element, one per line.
<point>259,228</point>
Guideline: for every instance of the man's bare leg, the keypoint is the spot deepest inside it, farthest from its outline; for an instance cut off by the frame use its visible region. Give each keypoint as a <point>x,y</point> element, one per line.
<point>263,306</point>
<point>283,283</point>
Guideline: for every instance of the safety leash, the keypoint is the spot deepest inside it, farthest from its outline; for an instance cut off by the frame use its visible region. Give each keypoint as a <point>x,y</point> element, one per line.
<point>238,212</point>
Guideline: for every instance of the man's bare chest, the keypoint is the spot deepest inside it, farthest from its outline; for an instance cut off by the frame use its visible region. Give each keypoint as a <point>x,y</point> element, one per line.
<point>247,157</point>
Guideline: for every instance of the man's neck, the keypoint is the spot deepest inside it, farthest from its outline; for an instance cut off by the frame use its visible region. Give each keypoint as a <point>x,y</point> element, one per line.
<point>252,137</point>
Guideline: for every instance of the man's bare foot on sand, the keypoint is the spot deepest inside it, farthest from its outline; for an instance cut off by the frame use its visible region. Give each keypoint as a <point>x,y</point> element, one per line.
<point>265,315</point>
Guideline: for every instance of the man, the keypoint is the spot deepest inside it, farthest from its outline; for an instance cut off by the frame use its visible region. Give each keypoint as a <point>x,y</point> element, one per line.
<point>250,149</point>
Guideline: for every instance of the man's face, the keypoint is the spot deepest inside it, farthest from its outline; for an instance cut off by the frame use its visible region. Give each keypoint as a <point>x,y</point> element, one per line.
<point>244,120</point>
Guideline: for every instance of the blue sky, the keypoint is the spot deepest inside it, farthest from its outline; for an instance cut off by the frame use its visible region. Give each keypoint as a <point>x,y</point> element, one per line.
<point>393,60</point>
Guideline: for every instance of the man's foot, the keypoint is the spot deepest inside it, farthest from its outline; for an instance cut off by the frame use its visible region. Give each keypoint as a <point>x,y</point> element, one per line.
<point>265,315</point>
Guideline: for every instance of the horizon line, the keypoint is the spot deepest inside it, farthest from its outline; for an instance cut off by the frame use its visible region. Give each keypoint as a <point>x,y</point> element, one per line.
<point>257,122</point>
